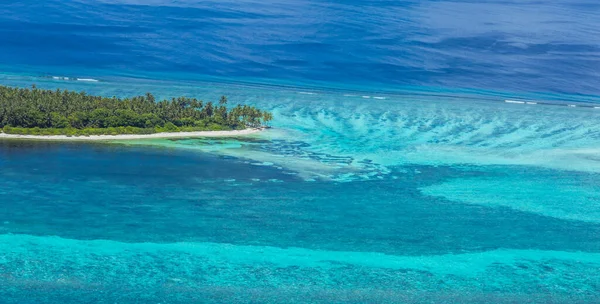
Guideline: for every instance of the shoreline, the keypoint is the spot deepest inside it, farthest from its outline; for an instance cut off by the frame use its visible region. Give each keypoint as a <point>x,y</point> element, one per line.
<point>230,133</point>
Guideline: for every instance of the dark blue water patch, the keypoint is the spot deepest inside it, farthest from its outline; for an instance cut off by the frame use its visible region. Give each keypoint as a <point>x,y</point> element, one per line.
<point>125,165</point>
<point>549,47</point>
<point>83,191</point>
<point>280,149</point>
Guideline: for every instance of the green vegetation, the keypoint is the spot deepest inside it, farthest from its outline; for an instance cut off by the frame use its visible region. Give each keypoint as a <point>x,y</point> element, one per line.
<point>47,112</point>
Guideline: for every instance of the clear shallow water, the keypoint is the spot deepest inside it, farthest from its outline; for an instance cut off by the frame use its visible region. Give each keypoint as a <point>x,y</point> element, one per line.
<point>407,198</point>
<point>395,171</point>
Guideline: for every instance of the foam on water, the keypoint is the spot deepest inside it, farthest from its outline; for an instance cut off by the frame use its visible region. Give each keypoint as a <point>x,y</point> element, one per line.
<point>60,78</point>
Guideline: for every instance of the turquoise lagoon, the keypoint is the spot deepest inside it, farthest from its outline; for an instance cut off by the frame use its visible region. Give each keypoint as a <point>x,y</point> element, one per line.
<point>353,196</point>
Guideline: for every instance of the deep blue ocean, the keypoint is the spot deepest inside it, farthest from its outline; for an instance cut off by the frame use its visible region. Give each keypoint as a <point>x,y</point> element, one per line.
<point>421,152</point>
<point>501,45</point>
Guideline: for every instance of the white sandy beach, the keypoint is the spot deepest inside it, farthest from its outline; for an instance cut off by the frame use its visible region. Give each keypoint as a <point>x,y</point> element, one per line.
<point>135,136</point>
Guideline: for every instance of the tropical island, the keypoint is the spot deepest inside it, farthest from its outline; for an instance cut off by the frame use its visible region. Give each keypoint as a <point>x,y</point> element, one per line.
<point>34,112</point>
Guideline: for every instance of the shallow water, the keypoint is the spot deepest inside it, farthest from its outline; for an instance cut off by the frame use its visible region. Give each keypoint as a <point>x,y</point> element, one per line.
<point>400,199</point>
<point>395,172</point>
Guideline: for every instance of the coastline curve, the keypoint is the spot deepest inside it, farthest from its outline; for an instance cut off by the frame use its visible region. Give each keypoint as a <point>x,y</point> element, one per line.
<point>163,135</point>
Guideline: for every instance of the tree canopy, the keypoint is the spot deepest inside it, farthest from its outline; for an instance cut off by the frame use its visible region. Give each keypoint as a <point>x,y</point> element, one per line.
<point>38,111</point>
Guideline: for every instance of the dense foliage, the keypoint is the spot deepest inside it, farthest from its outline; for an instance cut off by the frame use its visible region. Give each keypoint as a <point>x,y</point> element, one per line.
<point>48,112</point>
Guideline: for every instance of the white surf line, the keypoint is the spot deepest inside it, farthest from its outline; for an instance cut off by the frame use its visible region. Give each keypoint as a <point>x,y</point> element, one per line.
<point>365,96</point>
<point>87,79</point>
<point>549,104</point>
<point>307,93</point>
